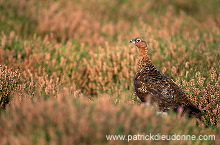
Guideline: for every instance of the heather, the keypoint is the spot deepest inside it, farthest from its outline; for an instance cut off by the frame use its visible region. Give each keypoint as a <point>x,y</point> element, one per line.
<point>66,74</point>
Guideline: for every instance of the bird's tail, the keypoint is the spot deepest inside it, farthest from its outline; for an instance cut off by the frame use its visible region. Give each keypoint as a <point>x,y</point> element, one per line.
<point>193,110</point>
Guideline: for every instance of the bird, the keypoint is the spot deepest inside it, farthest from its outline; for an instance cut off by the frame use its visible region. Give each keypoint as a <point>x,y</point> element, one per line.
<point>152,86</point>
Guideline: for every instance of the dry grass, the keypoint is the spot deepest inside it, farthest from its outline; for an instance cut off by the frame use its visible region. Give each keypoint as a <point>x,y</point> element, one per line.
<point>78,120</point>
<point>71,56</point>
<point>9,82</point>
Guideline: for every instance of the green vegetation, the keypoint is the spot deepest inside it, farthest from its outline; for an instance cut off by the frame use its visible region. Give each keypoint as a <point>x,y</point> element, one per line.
<point>66,68</point>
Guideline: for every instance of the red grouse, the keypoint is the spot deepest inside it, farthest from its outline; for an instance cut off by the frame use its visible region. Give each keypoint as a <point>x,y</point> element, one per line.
<point>153,86</point>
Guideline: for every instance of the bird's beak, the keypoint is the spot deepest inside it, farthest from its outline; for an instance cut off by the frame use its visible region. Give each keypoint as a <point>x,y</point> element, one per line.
<point>132,41</point>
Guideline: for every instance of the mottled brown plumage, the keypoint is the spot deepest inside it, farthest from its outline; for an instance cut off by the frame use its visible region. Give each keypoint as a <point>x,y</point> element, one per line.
<point>153,86</point>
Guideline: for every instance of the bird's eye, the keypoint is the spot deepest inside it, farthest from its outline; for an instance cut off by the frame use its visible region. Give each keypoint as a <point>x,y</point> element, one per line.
<point>138,40</point>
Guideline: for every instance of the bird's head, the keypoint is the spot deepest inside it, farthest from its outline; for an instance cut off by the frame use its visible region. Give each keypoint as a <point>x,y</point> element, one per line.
<point>139,42</point>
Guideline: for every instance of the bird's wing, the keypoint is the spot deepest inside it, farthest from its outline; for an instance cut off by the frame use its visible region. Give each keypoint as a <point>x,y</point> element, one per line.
<point>164,91</point>
<point>161,87</point>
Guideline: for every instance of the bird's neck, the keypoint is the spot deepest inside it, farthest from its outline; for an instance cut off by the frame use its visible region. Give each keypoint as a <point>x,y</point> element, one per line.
<point>143,51</point>
<point>144,62</point>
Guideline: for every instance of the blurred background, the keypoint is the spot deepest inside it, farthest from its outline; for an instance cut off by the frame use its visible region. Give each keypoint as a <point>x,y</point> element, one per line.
<point>95,22</point>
